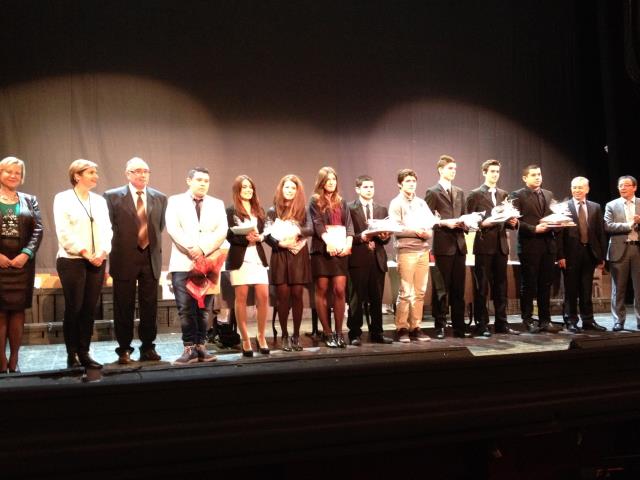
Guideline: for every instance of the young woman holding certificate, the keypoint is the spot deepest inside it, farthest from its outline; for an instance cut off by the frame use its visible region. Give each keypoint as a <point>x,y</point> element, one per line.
<point>290,266</point>
<point>331,243</point>
<point>247,261</point>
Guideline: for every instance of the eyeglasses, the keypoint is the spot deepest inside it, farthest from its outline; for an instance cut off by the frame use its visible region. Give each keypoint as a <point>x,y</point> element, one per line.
<point>140,171</point>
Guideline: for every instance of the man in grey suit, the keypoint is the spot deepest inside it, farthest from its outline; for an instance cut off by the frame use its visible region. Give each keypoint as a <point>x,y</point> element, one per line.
<point>137,218</point>
<point>621,220</point>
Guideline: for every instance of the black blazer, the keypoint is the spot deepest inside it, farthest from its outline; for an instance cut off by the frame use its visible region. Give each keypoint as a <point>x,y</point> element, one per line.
<point>124,222</point>
<point>447,241</point>
<point>306,230</point>
<point>530,242</point>
<point>493,239</point>
<point>29,222</point>
<point>239,243</point>
<point>569,237</point>
<point>360,253</point>
<point>320,221</point>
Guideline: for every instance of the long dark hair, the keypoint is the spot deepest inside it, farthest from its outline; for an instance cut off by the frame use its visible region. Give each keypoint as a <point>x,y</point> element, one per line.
<point>256,209</point>
<point>334,200</point>
<point>294,210</point>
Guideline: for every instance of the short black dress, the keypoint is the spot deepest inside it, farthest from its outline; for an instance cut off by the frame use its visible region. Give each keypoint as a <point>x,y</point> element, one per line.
<point>20,228</point>
<point>323,264</point>
<point>284,266</point>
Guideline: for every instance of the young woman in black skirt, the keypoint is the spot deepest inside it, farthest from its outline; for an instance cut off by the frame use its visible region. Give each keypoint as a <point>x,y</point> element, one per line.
<point>290,267</point>
<point>330,247</point>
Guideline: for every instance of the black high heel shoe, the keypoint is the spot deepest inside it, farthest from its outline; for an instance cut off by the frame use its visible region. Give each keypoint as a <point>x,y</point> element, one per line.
<point>330,340</point>
<point>246,353</point>
<point>262,350</point>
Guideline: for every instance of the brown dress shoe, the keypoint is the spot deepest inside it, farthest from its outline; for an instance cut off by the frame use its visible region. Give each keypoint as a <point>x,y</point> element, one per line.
<point>124,358</point>
<point>150,356</point>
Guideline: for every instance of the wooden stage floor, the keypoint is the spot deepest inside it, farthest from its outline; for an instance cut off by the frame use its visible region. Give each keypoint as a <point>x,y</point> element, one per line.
<point>39,359</point>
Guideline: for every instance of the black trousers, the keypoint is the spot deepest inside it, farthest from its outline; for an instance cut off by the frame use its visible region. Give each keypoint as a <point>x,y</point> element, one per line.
<point>490,271</point>
<point>81,285</point>
<point>367,285</point>
<point>536,277</point>
<point>578,286</point>
<point>452,271</point>
<point>124,304</point>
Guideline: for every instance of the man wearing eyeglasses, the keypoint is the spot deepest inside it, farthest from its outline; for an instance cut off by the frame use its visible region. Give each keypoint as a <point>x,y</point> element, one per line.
<point>137,214</point>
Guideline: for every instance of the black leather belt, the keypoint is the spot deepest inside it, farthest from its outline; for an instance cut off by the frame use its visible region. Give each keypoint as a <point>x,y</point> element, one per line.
<point>632,242</point>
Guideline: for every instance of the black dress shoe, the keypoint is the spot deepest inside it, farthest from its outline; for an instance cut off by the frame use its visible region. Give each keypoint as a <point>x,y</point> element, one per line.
<point>73,361</point>
<point>356,341</point>
<point>124,358</point>
<point>380,339</point>
<point>618,327</point>
<point>506,330</point>
<point>593,326</point>
<point>439,333</point>
<point>482,332</point>
<point>549,327</point>
<point>532,326</point>
<point>572,328</point>
<point>149,356</point>
<point>87,362</point>
<point>461,334</point>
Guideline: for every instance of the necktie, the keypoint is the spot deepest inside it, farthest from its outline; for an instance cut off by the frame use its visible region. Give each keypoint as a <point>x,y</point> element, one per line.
<point>582,223</point>
<point>367,212</point>
<point>541,201</point>
<point>630,210</point>
<point>450,194</point>
<point>143,230</point>
<point>198,202</point>
<point>493,196</point>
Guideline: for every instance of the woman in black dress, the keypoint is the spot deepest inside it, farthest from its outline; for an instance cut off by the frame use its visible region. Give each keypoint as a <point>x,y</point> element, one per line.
<point>20,237</point>
<point>330,245</point>
<point>290,266</point>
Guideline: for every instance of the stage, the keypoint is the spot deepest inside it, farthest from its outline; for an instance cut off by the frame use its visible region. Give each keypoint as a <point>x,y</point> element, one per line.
<point>463,408</point>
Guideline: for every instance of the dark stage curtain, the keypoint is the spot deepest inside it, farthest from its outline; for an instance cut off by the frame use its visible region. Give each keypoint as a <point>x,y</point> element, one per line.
<point>268,88</point>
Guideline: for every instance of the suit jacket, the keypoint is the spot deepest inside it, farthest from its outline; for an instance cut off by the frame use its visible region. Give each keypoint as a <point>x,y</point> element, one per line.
<point>569,237</point>
<point>124,222</point>
<point>447,241</point>
<point>186,231</point>
<point>239,243</point>
<point>360,253</point>
<point>29,221</point>
<point>530,242</point>
<point>493,239</point>
<point>320,222</point>
<point>615,224</point>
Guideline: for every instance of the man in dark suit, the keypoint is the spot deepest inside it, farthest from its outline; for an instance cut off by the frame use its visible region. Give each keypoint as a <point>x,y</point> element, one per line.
<point>137,218</point>
<point>449,249</point>
<point>491,251</point>
<point>580,250</point>
<point>536,250</point>
<point>367,264</point>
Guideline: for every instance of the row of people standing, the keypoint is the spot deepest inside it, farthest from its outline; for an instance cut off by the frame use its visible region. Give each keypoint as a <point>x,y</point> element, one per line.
<point>127,225</point>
